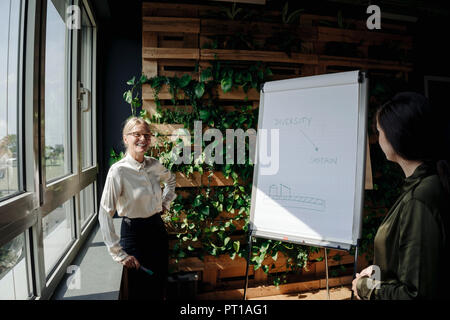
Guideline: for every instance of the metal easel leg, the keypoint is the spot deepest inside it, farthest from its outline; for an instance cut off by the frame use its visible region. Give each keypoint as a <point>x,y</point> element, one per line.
<point>355,266</point>
<point>326,273</point>
<point>248,263</point>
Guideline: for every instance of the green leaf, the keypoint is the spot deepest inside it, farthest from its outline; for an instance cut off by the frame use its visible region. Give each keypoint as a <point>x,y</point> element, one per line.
<point>226,240</point>
<point>128,96</point>
<point>205,211</point>
<point>275,256</point>
<point>143,79</point>
<point>199,90</point>
<point>236,245</point>
<point>205,75</point>
<point>204,115</point>
<point>131,81</point>
<point>184,80</point>
<point>226,84</point>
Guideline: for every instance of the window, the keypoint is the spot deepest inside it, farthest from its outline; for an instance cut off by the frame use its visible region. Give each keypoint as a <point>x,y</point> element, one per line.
<point>86,67</point>
<point>13,270</point>
<point>58,234</point>
<point>10,24</point>
<point>57,92</point>
<point>47,199</point>
<point>87,204</point>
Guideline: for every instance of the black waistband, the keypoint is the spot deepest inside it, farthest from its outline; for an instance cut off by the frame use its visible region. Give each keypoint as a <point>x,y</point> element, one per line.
<point>152,217</point>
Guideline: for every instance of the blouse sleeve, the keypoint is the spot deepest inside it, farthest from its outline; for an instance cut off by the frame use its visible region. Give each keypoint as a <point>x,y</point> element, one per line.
<point>169,181</point>
<point>418,235</point>
<point>111,192</point>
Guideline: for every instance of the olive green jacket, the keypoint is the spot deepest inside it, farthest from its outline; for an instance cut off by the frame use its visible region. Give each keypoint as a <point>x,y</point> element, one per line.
<point>410,241</point>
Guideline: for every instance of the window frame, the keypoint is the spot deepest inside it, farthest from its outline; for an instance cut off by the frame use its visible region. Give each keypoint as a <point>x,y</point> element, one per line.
<point>23,212</point>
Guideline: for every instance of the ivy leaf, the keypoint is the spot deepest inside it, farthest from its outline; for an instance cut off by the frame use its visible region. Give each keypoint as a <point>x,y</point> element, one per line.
<point>197,201</point>
<point>226,84</point>
<point>199,90</point>
<point>205,211</point>
<point>177,207</point>
<point>131,81</point>
<point>236,245</point>
<point>226,240</point>
<point>143,79</point>
<point>184,80</point>
<point>204,115</point>
<point>275,256</point>
<point>128,96</point>
<point>205,75</point>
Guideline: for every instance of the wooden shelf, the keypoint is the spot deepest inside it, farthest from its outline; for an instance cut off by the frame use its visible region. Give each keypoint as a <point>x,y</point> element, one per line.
<point>202,180</point>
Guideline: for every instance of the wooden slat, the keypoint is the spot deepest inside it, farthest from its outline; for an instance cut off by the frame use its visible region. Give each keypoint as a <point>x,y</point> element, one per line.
<point>149,39</point>
<point>253,55</point>
<point>214,27</point>
<point>176,40</point>
<point>272,290</point>
<point>148,93</point>
<point>217,179</point>
<point>364,63</point>
<point>188,265</point>
<point>356,36</point>
<point>170,24</point>
<point>239,94</point>
<point>183,181</point>
<point>312,19</point>
<point>197,180</point>
<point>165,129</point>
<point>170,53</point>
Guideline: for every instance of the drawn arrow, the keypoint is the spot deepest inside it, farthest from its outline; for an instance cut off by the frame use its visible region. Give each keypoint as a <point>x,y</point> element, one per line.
<point>315,147</point>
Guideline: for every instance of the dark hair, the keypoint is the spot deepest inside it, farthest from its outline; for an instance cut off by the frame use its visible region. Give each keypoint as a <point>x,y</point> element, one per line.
<point>417,132</point>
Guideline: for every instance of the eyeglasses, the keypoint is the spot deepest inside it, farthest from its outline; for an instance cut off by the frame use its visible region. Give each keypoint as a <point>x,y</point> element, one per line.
<point>137,135</point>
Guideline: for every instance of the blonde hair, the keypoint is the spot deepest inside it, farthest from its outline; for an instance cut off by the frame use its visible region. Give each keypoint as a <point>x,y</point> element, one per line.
<point>131,123</point>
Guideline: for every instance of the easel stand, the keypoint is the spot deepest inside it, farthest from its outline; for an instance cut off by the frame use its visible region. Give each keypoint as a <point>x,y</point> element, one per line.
<point>355,266</point>
<point>249,256</point>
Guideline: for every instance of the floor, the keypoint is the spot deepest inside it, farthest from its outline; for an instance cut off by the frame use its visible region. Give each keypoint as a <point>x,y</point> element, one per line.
<point>98,277</point>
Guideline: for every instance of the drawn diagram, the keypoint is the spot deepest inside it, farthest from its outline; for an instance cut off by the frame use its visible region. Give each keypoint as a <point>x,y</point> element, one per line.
<point>283,195</point>
<point>309,139</point>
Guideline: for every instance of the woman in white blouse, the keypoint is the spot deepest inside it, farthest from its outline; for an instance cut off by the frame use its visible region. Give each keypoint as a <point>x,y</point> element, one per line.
<point>133,189</point>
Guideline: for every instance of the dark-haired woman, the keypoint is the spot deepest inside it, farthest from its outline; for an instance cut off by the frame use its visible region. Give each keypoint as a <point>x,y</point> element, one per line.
<point>411,243</point>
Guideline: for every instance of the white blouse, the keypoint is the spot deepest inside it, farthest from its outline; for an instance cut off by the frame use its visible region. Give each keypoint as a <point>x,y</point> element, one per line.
<point>134,190</point>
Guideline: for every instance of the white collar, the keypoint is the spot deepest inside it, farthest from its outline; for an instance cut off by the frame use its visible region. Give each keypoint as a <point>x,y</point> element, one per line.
<point>135,164</point>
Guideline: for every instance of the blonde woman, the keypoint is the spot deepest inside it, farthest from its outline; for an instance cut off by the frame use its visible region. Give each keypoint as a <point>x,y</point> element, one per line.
<point>133,189</point>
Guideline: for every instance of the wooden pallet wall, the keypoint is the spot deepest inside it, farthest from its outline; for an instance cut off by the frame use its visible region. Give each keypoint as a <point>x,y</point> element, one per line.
<point>177,37</point>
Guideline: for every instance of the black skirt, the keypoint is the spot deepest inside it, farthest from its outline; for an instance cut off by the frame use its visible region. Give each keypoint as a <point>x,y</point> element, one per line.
<point>146,239</point>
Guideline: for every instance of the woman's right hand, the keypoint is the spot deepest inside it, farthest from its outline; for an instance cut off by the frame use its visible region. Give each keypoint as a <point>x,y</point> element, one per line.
<point>131,262</point>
